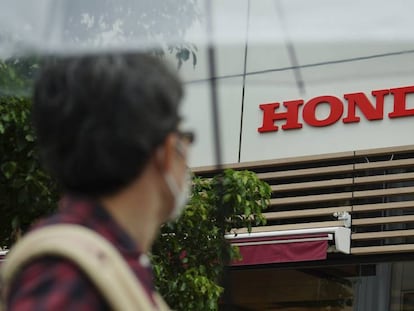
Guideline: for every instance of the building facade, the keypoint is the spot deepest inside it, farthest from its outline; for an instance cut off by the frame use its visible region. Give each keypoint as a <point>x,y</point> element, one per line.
<point>339,234</point>
<point>318,100</point>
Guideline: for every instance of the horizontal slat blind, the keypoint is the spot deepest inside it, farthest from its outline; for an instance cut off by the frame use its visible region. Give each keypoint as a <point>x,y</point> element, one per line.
<point>375,186</point>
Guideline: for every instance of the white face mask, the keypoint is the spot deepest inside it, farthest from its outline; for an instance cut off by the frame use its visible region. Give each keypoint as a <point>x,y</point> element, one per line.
<point>180,196</point>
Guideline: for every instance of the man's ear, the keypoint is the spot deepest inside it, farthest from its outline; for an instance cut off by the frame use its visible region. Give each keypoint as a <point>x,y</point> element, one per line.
<point>165,153</point>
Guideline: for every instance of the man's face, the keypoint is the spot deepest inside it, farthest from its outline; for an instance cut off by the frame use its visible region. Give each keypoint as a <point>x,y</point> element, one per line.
<point>182,145</point>
<point>185,139</point>
<point>176,173</point>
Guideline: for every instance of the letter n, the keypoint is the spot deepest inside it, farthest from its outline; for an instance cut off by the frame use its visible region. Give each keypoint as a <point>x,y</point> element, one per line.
<point>370,111</point>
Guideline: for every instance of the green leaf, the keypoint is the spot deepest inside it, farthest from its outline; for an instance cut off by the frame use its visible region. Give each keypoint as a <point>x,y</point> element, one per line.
<point>227,197</point>
<point>5,117</point>
<point>239,199</point>
<point>247,211</point>
<point>29,137</point>
<point>8,169</point>
<point>15,222</point>
<point>194,59</point>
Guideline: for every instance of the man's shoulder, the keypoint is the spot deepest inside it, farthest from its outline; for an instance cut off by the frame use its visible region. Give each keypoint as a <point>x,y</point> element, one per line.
<point>53,283</point>
<point>55,219</point>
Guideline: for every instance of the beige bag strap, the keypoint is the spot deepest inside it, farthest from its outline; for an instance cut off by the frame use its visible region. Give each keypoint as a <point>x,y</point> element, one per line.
<point>95,256</point>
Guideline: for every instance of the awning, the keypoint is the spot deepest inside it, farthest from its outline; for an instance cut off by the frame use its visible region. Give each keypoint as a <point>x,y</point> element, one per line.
<point>290,245</point>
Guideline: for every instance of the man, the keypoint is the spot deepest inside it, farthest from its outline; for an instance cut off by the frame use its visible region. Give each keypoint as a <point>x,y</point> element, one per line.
<point>107,129</point>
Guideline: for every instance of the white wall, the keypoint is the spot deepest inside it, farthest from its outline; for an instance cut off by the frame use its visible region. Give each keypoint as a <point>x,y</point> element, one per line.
<point>340,47</point>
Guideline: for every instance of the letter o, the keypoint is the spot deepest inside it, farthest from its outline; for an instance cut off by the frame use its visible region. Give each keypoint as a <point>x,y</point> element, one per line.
<point>335,114</point>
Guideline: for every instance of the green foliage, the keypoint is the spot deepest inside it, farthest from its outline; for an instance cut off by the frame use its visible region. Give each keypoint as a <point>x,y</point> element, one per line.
<point>16,76</point>
<point>163,23</point>
<point>244,197</point>
<point>191,253</point>
<point>184,52</point>
<point>26,192</point>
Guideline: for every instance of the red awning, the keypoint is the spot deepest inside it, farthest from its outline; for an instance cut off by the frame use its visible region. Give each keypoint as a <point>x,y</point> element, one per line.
<point>278,249</point>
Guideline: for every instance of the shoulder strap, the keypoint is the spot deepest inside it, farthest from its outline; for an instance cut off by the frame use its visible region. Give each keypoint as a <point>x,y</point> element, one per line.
<point>95,256</point>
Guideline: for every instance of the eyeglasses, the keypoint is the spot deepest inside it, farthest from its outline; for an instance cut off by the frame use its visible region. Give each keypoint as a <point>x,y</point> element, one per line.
<point>188,136</point>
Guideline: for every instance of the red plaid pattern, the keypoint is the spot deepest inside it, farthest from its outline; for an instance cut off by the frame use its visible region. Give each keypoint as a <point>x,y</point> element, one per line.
<point>53,283</point>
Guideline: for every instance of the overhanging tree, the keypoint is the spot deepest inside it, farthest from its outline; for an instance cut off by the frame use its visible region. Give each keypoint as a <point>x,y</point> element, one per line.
<point>26,191</point>
<point>190,254</point>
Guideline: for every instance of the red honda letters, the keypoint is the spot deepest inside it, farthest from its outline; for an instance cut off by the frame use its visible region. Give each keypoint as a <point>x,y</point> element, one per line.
<point>371,111</point>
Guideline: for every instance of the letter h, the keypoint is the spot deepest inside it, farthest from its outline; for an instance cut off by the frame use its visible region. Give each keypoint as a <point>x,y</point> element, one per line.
<point>291,115</point>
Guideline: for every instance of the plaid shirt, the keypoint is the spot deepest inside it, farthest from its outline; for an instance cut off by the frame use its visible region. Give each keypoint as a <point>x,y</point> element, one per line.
<point>53,283</point>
